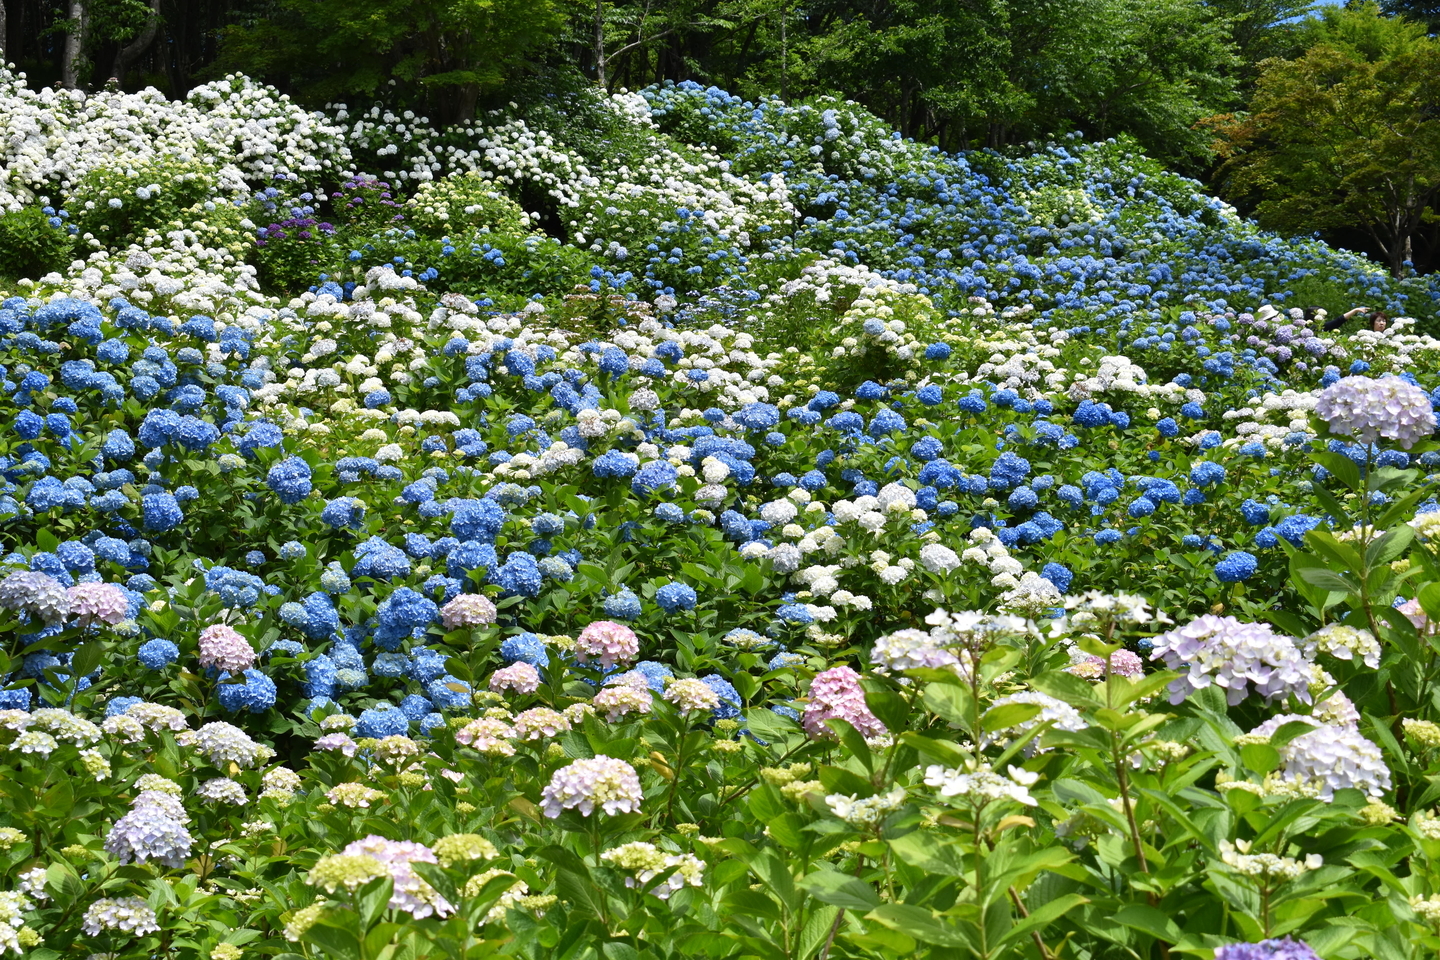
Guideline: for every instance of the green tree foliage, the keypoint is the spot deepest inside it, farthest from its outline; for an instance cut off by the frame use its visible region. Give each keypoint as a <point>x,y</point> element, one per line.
<point>442,53</point>
<point>1346,135</point>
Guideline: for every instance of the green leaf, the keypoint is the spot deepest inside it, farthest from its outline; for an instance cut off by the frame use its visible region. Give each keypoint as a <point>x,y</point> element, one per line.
<point>768,725</point>
<point>891,708</point>
<point>88,656</point>
<point>922,925</point>
<point>1067,687</point>
<point>1289,731</point>
<point>332,934</point>
<point>950,701</point>
<point>840,890</point>
<point>840,780</point>
<point>1395,542</point>
<point>1148,920</point>
<point>1260,757</point>
<point>372,899</point>
<point>1008,715</point>
<point>1343,468</point>
<point>1327,579</point>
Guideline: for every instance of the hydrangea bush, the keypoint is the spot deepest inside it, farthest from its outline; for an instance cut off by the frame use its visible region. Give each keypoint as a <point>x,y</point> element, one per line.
<point>664,525</point>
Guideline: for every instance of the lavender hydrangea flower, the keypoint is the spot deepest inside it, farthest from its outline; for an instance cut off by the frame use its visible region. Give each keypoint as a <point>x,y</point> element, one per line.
<point>36,594</point>
<point>1235,656</point>
<point>1279,949</point>
<point>1371,410</point>
<point>604,782</point>
<point>148,833</point>
<point>1331,757</point>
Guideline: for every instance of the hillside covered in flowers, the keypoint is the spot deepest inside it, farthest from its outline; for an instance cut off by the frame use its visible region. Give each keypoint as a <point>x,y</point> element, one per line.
<point>664,525</point>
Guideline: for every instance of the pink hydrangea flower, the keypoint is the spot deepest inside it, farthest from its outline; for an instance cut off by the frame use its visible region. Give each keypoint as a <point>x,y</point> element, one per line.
<point>835,694</point>
<point>608,643</point>
<point>604,782</point>
<point>337,741</point>
<point>103,602</point>
<point>519,676</point>
<point>623,698</point>
<point>467,610</point>
<point>221,647</point>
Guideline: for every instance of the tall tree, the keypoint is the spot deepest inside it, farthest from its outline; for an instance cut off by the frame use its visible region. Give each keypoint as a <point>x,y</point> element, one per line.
<point>443,53</point>
<point>1343,136</point>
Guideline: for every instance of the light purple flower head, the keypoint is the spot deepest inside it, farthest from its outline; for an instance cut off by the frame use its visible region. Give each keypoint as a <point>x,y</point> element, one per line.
<point>410,893</point>
<point>1280,949</point>
<point>36,594</point>
<point>1331,757</point>
<point>1233,655</point>
<point>1370,410</point>
<point>613,785</point>
<point>146,833</point>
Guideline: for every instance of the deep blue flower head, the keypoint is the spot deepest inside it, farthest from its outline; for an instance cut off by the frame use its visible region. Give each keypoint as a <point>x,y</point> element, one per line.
<point>380,560</point>
<point>400,614</point>
<point>926,449</point>
<point>261,434</point>
<point>1235,566</point>
<point>1167,427</point>
<point>624,605</point>
<point>157,654</point>
<point>344,512</point>
<point>1254,512</point>
<point>885,421</point>
<point>1192,411</point>
<point>654,476</point>
<point>758,416</point>
<point>973,403</point>
<point>1091,414</point>
<point>479,520</point>
<point>382,720</point>
<point>937,351</point>
<point>795,613</point>
<point>1294,528</point>
<point>1059,575</point>
<point>1008,471</point>
<point>29,425</point>
<point>674,597</point>
<point>824,400</point>
<point>1207,473</point>
<point>1141,507</point>
<point>415,707</point>
<point>870,390</point>
<point>931,395</point>
<point>1107,537</point>
<point>160,512</point>
<point>519,575</point>
<point>255,695</point>
<point>1022,498</point>
<point>290,479</point>
<point>526,648</point>
<point>613,463</point>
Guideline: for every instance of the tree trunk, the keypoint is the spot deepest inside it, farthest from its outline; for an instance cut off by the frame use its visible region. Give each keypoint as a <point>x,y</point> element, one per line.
<point>131,52</point>
<point>74,45</point>
<point>600,43</point>
<point>2,32</point>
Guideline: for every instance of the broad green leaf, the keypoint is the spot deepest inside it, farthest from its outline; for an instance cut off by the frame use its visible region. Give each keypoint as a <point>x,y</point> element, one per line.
<point>922,925</point>
<point>840,890</point>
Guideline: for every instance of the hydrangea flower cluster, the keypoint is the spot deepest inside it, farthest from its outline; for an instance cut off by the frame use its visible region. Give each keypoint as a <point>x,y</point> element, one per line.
<point>835,694</point>
<point>1372,410</point>
<point>1241,658</point>
<point>607,783</point>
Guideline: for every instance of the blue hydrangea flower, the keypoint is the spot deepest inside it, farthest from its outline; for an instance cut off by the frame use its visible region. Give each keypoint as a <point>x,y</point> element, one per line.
<point>1235,566</point>
<point>256,694</point>
<point>382,720</point>
<point>674,597</point>
<point>290,480</point>
<point>157,654</point>
<point>624,605</point>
